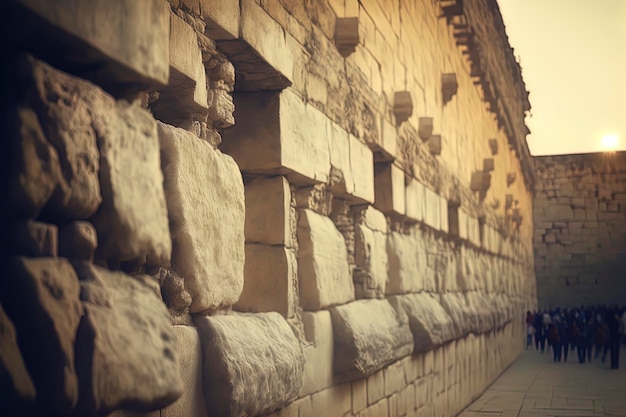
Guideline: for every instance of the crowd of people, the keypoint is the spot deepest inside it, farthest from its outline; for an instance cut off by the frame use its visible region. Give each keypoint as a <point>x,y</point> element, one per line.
<point>591,332</point>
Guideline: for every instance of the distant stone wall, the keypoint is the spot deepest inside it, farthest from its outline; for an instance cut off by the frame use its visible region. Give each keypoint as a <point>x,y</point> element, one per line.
<point>580,229</point>
<point>245,208</point>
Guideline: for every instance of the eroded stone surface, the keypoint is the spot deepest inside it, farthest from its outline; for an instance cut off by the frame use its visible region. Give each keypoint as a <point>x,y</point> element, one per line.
<point>78,240</point>
<point>18,391</point>
<point>205,201</point>
<point>370,274</point>
<point>252,363</point>
<point>31,238</point>
<point>368,334</point>
<point>126,354</point>
<point>41,297</point>
<point>430,324</point>
<point>268,212</point>
<point>404,270</point>
<point>323,269</point>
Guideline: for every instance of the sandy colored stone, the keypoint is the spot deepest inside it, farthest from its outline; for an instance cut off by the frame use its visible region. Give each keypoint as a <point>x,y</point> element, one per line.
<point>404,271</point>
<point>114,45</point>
<point>370,274</point>
<point>205,202</point>
<point>31,238</point>
<point>221,17</point>
<point>368,335</point>
<point>389,188</point>
<point>17,388</point>
<point>78,240</point>
<point>252,363</point>
<point>132,221</point>
<point>35,168</point>
<point>42,299</point>
<point>270,280</point>
<point>318,352</point>
<point>459,310</point>
<point>323,269</point>
<point>430,324</point>
<point>268,217</point>
<point>126,355</point>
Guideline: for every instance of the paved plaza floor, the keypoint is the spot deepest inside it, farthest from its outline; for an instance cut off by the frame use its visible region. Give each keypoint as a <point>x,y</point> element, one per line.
<point>535,386</point>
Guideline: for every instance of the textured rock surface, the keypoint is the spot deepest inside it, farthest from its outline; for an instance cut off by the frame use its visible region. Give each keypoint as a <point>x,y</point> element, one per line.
<point>270,280</point>
<point>78,240</point>
<point>268,212</point>
<point>430,324</point>
<point>404,270</point>
<point>65,108</point>
<point>323,269</point>
<point>205,202</point>
<point>42,299</point>
<point>31,238</point>
<point>18,391</point>
<point>132,221</point>
<point>252,363</point>
<point>125,350</point>
<point>459,309</point>
<point>32,179</point>
<point>370,274</point>
<point>368,334</point>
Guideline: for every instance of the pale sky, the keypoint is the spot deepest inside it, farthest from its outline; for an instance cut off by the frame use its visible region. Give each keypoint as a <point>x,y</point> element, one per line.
<point>573,59</point>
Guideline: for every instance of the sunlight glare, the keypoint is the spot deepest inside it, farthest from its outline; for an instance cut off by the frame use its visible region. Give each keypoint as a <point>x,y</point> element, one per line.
<point>610,142</point>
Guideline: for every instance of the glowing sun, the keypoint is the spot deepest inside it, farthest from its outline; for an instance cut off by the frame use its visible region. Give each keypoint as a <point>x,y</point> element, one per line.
<point>610,142</point>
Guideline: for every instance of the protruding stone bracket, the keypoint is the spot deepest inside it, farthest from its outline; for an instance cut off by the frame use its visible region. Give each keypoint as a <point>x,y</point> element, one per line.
<point>508,201</point>
<point>488,164</point>
<point>493,145</point>
<point>510,178</point>
<point>481,181</point>
<point>449,86</point>
<point>434,145</point>
<point>402,106</point>
<point>425,128</point>
<point>346,35</point>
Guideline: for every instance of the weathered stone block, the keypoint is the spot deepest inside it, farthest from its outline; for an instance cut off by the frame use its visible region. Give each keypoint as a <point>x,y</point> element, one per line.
<point>368,334</point>
<point>404,272</point>
<point>42,300</point>
<point>459,310</point>
<point>133,50</point>
<point>221,17</point>
<point>116,371</point>
<point>252,363</point>
<point>414,200</point>
<point>324,272</point>
<point>205,202</point>
<point>268,215</point>
<point>281,135</point>
<point>18,391</point>
<point>370,275</point>
<point>132,221</point>
<point>78,240</point>
<point>318,366</point>
<point>35,171</point>
<point>270,280</point>
<point>389,188</point>
<point>346,35</point>
<point>31,238</point>
<point>189,352</point>
<point>430,324</point>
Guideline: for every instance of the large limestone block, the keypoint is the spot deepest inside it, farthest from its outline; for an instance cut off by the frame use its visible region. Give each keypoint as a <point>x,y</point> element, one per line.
<point>252,363</point>
<point>221,17</point>
<point>132,221</point>
<point>189,352</point>
<point>41,296</point>
<point>430,324</point>
<point>18,391</point>
<point>370,275</point>
<point>323,268</point>
<point>484,312</point>
<point>404,271</point>
<point>281,135</point>
<point>270,280</point>
<point>205,202</point>
<point>35,168</point>
<point>318,352</point>
<point>115,44</point>
<point>458,308</point>
<point>126,355</point>
<point>268,212</point>
<point>433,215</point>
<point>389,188</point>
<point>415,200</point>
<point>65,108</point>
<point>368,334</point>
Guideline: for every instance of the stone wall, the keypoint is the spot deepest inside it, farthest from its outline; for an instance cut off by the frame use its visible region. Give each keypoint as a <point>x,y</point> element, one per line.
<point>580,229</point>
<point>242,208</point>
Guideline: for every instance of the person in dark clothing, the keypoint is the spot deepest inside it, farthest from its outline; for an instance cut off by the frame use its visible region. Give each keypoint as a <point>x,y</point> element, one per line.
<point>591,331</point>
<point>614,338</point>
<point>540,337</point>
<point>581,346</point>
<point>554,340</point>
